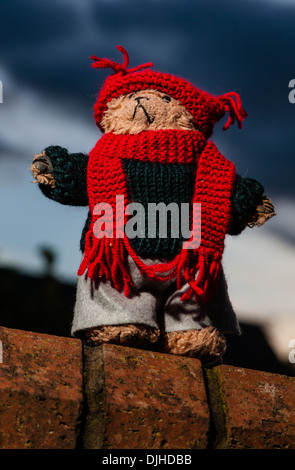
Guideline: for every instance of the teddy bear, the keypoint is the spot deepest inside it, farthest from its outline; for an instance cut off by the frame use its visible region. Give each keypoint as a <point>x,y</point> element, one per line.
<point>140,288</point>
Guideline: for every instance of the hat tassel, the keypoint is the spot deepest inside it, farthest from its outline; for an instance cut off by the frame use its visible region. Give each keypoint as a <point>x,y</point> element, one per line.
<point>233,105</point>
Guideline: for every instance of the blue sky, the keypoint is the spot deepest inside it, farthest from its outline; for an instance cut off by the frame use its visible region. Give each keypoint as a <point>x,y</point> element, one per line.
<point>49,90</point>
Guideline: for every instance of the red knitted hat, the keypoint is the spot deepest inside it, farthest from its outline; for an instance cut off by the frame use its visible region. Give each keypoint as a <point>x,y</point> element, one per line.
<point>205,108</point>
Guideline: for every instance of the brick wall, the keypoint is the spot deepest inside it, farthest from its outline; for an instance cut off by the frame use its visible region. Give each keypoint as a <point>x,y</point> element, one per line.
<point>56,394</point>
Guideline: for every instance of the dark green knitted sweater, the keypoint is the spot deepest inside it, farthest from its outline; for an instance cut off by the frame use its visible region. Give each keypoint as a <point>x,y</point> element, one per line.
<point>142,183</point>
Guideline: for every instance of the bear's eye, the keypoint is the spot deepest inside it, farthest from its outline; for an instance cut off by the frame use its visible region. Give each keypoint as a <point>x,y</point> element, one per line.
<point>166,98</point>
<point>130,96</point>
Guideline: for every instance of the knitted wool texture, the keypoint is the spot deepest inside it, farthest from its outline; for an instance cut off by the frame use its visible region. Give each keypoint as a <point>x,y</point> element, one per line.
<point>157,183</point>
<point>143,177</point>
<point>204,107</point>
<point>214,179</point>
<point>69,175</point>
<point>247,196</point>
<point>105,258</point>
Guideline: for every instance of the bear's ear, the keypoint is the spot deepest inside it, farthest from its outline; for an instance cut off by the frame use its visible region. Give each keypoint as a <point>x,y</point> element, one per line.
<point>118,68</point>
<point>232,104</point>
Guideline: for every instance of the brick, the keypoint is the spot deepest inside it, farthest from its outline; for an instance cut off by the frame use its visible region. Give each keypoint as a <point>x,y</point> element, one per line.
<point>41,391</point>
<point>144,400</point>
<point>252,409</point>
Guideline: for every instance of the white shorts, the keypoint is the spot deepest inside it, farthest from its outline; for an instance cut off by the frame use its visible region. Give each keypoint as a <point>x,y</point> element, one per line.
<point>155,303</point>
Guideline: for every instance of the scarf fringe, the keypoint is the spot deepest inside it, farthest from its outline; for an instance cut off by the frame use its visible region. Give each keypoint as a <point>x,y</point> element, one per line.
<point>107,260</point>
<point>202,278</point>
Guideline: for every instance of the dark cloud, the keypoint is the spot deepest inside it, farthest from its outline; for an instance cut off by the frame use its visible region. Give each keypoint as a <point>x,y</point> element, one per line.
<point>6,150</point>
<point>220,46</point>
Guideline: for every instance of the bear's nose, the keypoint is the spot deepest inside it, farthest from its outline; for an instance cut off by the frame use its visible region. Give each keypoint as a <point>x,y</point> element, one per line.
<point>139,105</point>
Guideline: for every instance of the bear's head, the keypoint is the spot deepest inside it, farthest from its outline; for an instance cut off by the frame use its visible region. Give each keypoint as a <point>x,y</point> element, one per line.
<point>138,99</point>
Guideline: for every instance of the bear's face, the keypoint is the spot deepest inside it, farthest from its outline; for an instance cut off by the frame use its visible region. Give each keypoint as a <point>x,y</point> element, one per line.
<point>145,110</point>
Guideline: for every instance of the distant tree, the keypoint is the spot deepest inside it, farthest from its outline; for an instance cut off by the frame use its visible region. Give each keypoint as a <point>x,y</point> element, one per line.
<point>49,258</point>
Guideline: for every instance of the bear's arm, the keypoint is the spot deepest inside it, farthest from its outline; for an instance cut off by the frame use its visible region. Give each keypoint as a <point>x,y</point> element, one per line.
<point>247,196</point>
<point>69,172</point>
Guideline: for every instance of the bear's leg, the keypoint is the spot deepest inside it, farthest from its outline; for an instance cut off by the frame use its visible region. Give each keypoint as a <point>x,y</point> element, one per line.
<point>208,344</point>
<point>195,329</point>
<point>136,336</point>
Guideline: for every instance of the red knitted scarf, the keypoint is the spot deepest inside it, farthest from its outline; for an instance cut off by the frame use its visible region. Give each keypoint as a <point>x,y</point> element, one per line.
<point>106,258</point>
